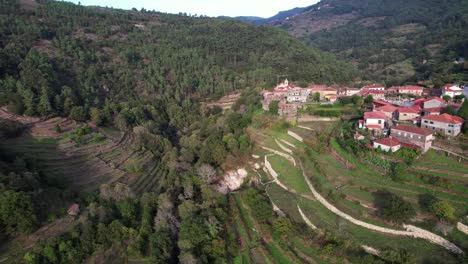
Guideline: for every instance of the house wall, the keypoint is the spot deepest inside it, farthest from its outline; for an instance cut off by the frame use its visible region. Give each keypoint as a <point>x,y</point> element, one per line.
<point>451,94</point>
<point>425,142</point>
<point>297,98</point>
<point>444,128</point>
<point>433,104</point>
<point>406,116</point>
<point>372,121</point>
<point>352,92</point>
<point>386,148</point>
<point>414,92</point>
<point>389,115</point>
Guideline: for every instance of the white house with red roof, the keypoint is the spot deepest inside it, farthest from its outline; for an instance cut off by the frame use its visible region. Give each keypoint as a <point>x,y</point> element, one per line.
<point>408,113</point>
<point>446,124</point>
<point>387,144</point>
<point>74,210</point>
<point>358,136</point>
<point>451,90</point>
<point>374,121</point>
<point>434,102</point>
<point>413,137</point>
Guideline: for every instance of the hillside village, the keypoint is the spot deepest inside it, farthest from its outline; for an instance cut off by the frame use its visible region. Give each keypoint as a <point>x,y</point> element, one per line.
<point>400,116</point>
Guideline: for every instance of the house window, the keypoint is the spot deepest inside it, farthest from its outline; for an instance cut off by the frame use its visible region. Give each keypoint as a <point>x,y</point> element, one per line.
<point>432,122</point>
<point>425,121</point>
<point>451,125</point>
<point>450,131</point>
<point>380,122</point>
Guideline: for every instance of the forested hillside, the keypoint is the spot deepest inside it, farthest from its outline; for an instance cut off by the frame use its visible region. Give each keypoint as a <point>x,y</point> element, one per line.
<point>118,128</point>
<point>59,56</point>
<point>394,41</point>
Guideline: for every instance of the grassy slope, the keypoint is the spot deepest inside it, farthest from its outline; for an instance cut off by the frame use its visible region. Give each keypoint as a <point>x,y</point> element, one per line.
<point>357,183</point>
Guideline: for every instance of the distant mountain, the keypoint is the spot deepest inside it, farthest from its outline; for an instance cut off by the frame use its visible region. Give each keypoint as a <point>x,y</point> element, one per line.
<point>394,41</point>
<point>283,15</point>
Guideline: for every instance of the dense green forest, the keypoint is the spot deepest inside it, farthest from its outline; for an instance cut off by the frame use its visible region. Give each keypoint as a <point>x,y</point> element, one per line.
<point>394,41</point>
<point>144,73</point>
<point>60,57</point>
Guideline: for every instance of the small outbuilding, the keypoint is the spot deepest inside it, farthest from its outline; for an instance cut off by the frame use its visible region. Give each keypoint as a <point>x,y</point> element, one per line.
<point>387,144</point>
<point>74,210</point>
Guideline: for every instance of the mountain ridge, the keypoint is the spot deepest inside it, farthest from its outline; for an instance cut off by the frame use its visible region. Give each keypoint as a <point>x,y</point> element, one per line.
<point>389,41</point>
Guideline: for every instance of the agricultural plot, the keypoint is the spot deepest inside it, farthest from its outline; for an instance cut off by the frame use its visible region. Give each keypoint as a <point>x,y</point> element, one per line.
<point>351,191</point>
<point>83,166</point>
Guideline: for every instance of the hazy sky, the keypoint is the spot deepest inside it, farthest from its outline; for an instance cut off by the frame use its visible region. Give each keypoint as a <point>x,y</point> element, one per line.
<point>262,8</point>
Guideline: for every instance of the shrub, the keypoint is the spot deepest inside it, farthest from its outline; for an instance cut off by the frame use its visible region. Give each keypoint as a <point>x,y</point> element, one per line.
<point>393,207</point>
<point>79,113</point>
<point>443,210</point>
<point>98,138</point>
<point>133,166</point>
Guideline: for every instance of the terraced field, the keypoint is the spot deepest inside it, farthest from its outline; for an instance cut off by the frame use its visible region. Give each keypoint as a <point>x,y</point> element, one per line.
<point>84,166</point>
<point>352,192</point>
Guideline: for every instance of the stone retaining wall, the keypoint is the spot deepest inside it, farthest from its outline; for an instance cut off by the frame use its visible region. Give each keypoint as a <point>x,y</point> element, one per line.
<point>283,147</point>
<point>296,136</point>
<point>317,119</point>
<point>411,231</point>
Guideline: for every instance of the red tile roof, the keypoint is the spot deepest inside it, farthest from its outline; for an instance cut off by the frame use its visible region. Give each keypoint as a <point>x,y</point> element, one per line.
<point>409,110</point>
<point>373,126</point>
<point>445,118</point>
<point>452,88</point>
<point>374,115</point>
<point>387,109</point>
<point>318,87</point>
<point>373,86</point>
<point>411,146</point>
<point>433,109</point>
<point>378,102</point>
<point>436,98</point>
<point>411,88</point>
<point>391,142</point>
<point>414,130</point>
<point>420,102</point>
<point>357,135</point>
